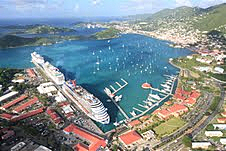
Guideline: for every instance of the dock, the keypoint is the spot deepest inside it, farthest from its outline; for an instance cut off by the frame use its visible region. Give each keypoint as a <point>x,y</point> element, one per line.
<point>120,86</point>
<point>143,106</point>
<point>120,109</point>
<point>138,110</point>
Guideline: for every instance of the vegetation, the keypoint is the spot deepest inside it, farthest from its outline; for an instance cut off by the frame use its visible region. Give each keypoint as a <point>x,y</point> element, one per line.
<point>215,102</point>
<point>107,34</point>
<point>187,141</point>
<point>169,126</point>
<point>16,41</point>
<point>6,76</point>
<point>46,29</point>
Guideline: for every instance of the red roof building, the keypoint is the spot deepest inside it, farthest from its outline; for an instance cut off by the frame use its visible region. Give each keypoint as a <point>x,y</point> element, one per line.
<point>28,114</point>
<point>189,102</point>
<point>134,123</point>
<point>95,141</point>
<point>223,114</point>
<point>8,134</point>
<point>6,116</point>
<point>56,119</point>
<point>164,114</point>
<point>130,138</point>
<point>31,73</point>
<point>21,98</point>
<point>221,120</point>
<point>195,94</point>
<point>25,105</point>
<point>178,109</point>
<point>145,117</point>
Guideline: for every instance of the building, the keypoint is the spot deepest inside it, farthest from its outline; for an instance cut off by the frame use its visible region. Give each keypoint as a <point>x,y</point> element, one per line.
<point>213,133</point>
<point>46,88</point>
<point>8,95</point>
<point>11,103</point>
<point>178,109</point>
<point>134,123</point>
<point>223,141</point>
<point>25,105</point>
<point>219,126</point>
<point>163,114</point>
<point>223,114</point>
<point>6,116</point>
<point>221,120</point>
<point>148,135</point>
<point>42,148</point>
<point>130,138</point>
<point>7,134</point>
<point>55,118</point>
<point>31,73</point>
<point>201,145</point>
<point>18,146</point>
<point>27,115</point>
<point>95,141</point>
<point>219,70</point>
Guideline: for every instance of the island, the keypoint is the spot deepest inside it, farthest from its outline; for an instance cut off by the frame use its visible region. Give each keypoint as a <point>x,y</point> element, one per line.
<point>107,34</point>
<point>10,41</point>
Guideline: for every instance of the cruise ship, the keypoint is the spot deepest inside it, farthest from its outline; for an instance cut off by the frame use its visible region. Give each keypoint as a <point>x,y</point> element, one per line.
<point>87,102</point>
<point>51,71</point>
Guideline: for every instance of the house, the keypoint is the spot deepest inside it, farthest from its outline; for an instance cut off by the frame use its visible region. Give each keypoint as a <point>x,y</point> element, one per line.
<point>219,126</point>
<point>213,133</point>
<point>178,109</point>
<point>221,120</point>
<point>134,123</point>
<point>201,145</point>
<point>130,138</point>
<point>163,114</point>
<point>25,105</point>
<point>223,114</point>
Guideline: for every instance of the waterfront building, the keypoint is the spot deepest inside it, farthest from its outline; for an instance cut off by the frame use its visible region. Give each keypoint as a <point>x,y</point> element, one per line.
<point>130,138</point>
<point>221,120</point>
<point>223,141</point>
<point>213,133</point>
<point>47,88</point>
<point>95,142</point>
<point>134,123</point>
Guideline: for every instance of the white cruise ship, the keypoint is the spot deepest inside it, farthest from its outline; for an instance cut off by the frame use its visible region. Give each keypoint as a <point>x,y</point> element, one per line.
<point>54,73</point>
<point>87,102</point>
<point>51,71</point>
<point>37,59</point>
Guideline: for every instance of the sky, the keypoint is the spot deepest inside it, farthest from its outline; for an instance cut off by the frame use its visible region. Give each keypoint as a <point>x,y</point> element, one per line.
<point>90,8</point>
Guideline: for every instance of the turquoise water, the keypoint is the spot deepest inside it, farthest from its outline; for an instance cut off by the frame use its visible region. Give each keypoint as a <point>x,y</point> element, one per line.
<point>98,64</point>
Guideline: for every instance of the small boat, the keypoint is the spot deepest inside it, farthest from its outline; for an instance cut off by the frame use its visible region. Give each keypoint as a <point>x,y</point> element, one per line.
<point>118,98</point>
<point>109,41</point>
<point>116,124</point>
<point>155,96</point>
<point>165,85</point>
<point>146,85</point>
<point>108,100</point>
<point>133,113</point>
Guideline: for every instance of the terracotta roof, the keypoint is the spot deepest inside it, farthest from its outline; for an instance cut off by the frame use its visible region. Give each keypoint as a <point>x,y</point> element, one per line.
<point>80,147</point>
<point>195,94</point>
<point>21,98</point>
<point>6,116</point>
<point>164,113</point>
<point>144,117</point>
<point>134,123</point>
<point>25,105</point>
<point>168,102</point>
<point>190,101</point>
<point>221,120</point>
<point>31,73</point>
<point>177,108</point>
<point>28,114</point>
<point>96,141</point>
<point>54,116</point>
<point>130,137</point>
<point>223,114</point>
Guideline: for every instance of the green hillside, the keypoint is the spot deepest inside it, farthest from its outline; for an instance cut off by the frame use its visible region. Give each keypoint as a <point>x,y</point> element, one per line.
<point>107,34</point>
<point>214,18</point>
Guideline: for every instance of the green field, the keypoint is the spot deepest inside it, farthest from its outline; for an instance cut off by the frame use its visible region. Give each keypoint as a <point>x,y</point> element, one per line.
<point>169,126</point>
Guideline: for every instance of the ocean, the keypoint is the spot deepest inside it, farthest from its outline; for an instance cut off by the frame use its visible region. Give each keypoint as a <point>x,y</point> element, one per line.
<point>97,64</point>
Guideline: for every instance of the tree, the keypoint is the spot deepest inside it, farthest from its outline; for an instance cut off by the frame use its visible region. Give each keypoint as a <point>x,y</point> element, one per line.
<point>187,141</point>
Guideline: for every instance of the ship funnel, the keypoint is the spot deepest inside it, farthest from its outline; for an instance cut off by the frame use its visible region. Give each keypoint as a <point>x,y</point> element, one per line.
<point>74,82</point>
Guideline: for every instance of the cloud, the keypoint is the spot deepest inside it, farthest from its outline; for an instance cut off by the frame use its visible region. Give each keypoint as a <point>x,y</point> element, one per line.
<point>183,3</point>
<point>76,8</point>
<point>96,2</point>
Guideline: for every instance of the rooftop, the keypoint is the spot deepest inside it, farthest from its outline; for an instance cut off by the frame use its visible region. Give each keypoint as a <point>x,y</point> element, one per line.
<point>130,137</point>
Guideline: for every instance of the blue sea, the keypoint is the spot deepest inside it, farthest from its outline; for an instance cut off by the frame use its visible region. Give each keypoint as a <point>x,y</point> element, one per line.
<point>97,64</point>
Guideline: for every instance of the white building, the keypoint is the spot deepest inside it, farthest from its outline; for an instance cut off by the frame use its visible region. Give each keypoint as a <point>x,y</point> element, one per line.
<point>219,70</point>
<point>219,126</point>
<point>202,145</point>
<point>223,141</point>
<point>42,148</point>
<point>60,97</point>
<point>46,88</point>
<point>213,133</point>
<point>18,146</point>
<point>189,57</point>
<point>8,95</point>
<point>203,69</point>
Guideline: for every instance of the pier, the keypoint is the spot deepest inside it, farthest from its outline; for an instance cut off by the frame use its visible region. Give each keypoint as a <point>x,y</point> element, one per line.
<point>120,86</point>
<point>138,110</point>
<point>120,109</point>
<point>143,106</point>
